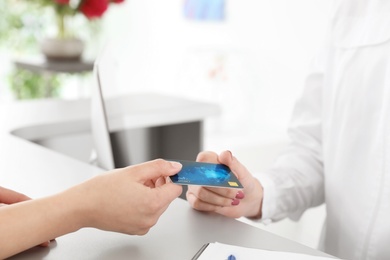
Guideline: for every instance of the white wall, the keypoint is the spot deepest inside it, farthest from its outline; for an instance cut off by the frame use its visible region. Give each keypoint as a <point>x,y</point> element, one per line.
<point>263,47</point>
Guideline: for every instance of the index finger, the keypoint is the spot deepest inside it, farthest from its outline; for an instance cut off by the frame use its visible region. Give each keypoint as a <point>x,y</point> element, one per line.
<point>229,160</point>
<point>168,192</point>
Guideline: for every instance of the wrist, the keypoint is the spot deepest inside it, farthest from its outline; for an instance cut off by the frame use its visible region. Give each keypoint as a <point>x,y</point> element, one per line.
<point>74,212</point>
<point>256,209</point>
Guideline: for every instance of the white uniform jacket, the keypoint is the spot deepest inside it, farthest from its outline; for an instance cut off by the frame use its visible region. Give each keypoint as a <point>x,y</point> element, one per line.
<point>340,132</point>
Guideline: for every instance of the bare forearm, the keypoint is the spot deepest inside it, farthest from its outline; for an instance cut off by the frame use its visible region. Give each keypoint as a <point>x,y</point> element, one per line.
<point>117,201</point>
<point>30,223</point>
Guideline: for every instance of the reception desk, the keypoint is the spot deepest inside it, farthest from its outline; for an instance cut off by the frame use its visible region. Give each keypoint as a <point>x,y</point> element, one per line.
<point>142,126</point>
<point>38,171</point>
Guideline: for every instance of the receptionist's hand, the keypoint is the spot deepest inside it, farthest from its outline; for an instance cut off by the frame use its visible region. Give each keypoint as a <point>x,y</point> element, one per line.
<point>228,202</point>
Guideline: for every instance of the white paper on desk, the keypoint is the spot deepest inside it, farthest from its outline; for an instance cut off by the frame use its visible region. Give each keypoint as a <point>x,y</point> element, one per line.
<point>219,251</point>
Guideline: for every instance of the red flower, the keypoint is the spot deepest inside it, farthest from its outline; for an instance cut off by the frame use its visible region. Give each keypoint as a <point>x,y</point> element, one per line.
<point>62,2</point>
<point>117,1</point>
<point>93,8</point>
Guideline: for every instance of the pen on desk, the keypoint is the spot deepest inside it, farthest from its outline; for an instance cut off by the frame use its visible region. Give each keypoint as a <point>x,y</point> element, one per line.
<point>231,257</point>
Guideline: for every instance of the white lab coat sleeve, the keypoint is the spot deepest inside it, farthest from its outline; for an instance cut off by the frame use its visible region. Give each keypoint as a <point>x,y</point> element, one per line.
<point>295,182</point>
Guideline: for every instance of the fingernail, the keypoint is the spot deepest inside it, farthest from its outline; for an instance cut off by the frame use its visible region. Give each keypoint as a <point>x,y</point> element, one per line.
<point>235,202</point>
<point>240,195</point>
<point>231,155</point>
<point>176,165</point>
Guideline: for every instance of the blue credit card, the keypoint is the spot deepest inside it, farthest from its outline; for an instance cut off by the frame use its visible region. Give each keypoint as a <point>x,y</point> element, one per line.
<point>205,174</point>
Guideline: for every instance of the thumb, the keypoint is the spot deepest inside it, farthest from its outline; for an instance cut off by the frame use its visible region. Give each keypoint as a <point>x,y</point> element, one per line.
<point>207,156</point>
<point>8,196</point>
<point>156,168</point>
<point>229,160</point>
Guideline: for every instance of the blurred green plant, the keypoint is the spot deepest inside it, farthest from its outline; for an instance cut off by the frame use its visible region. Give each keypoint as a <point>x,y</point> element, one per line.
<point>21,27</point>
<point>28,85</point>
<point>20,31</point>
<point>23,24</point>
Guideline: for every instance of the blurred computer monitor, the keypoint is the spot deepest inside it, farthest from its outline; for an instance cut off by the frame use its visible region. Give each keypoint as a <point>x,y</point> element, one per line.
<point>103,153</point>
